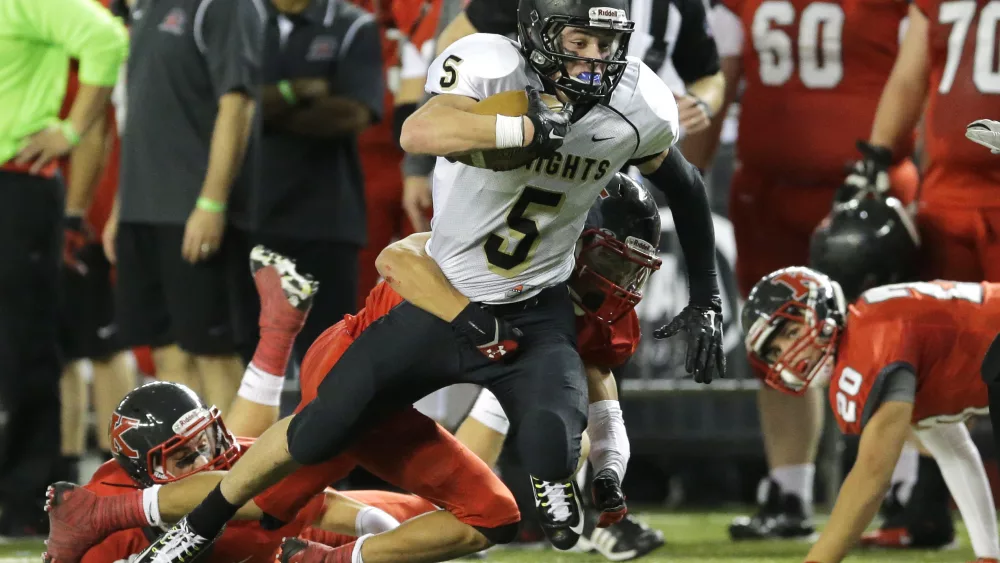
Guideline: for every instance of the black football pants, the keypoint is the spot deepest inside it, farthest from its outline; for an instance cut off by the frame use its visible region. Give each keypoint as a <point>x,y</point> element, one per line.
<point>410,353</point>
<point>31,215</point>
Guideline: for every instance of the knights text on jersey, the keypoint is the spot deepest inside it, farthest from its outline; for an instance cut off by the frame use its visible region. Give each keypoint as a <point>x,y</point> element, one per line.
<point>504,236</point>
<point>940,331</point>
<point>812,66</point>
<point>964,86</point>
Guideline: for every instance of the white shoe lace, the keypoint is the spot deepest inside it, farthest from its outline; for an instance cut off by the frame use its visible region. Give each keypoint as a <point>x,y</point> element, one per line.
<point>177,544</point>
<point>558,505</point>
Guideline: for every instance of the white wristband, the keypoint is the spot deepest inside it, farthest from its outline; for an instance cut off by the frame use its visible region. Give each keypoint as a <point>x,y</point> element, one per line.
<point>510,132</point>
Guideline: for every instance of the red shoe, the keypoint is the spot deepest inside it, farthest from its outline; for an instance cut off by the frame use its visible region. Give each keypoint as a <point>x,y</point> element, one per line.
<point>79,519</point>
<point>890,538</point>
<point>295,550</point>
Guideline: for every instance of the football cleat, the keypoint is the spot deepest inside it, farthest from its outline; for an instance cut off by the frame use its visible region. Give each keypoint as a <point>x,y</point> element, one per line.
<point>780,516</point>
<point>985,132</point>
<point>608,498</point>
<point>626,540</point>
<point>179,544</point>
<point>277,280</point>
<point>79,519</point>
<point>559,511</point>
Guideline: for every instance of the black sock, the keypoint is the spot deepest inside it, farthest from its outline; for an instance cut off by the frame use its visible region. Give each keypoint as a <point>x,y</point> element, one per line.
<point>208,518</point>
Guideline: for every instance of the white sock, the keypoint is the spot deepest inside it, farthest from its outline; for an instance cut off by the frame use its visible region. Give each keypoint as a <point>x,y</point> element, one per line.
<point>905,472</point>
<point>796,480</point>
<point>371,520</point>
<point>963,472</point>
<point>151,505</point>
<point>488,411</point>
<point>356,554</point>
<point>260,387</point>
<point>609,446</point>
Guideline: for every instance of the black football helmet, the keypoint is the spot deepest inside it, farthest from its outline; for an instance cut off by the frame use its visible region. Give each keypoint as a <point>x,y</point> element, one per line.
<point>866,242</point>
<point>155,420</point>
<point>803,296</point>
<point>540,24</point>
<point>618,250</point>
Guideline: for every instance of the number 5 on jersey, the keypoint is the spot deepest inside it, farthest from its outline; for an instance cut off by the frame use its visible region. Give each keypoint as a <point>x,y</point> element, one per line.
<point>510,256</point>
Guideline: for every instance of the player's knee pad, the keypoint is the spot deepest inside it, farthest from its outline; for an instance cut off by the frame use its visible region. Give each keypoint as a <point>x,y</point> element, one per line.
<point>500,534</point>
<point>372,520</point>
<point>549,445</point>
<point>991,364</point>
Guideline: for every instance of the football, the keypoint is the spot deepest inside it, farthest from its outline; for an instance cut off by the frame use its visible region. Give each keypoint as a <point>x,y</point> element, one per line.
<point>513,103</point>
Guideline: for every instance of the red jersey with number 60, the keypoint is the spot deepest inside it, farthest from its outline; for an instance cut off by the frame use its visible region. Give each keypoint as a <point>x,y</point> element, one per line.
<point>964,86</point>
<point>814,72</point>
<point>938,330</point>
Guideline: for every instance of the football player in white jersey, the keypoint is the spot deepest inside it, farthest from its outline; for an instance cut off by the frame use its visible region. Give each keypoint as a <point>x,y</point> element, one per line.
<point>505,240</point>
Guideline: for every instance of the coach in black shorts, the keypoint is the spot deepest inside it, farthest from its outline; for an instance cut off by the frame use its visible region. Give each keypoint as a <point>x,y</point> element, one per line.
<point>192,80</point>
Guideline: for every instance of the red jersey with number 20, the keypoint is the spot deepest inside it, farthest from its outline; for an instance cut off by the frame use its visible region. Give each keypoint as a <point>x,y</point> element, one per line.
<point>938,330</point>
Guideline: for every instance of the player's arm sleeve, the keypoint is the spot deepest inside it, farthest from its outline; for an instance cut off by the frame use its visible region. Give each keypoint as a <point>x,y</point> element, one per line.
<point>687,197</point>
<point>695,53</point>
<point>358,75</point>
<point>963,471</point>
<point>896,382</point>
<point>493,16</point>
<point>84,29</point>
<point>230,37</point>
<point>477,66</point>
<point>728,31</point>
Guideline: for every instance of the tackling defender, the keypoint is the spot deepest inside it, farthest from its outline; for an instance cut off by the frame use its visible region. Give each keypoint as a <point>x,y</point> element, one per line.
<point>486,237</point>
<point>629,213</point>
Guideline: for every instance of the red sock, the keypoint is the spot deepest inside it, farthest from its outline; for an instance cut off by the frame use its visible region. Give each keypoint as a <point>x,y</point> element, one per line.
<point>273,351</point>
<point>121,512</point>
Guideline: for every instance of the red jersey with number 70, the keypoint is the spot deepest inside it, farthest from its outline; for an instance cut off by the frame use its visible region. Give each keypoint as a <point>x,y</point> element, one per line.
<point>964,86</point>
<point>814,73</point>
<point>938,330</point>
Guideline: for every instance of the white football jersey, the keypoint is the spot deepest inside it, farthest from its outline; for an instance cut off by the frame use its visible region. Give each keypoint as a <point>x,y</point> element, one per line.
<point>504,236</point>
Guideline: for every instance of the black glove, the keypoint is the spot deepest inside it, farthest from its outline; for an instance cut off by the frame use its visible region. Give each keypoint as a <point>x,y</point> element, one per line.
<point>870,174</point>
<point>703,325</point>
<point>551,127</point>
<point>494,338</point>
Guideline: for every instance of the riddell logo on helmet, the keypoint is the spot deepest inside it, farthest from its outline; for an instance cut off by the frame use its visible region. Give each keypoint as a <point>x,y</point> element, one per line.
<point>606,14</point>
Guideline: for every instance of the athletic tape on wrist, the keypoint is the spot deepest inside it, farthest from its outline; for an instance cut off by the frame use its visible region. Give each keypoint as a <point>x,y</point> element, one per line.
<point>509,132</point>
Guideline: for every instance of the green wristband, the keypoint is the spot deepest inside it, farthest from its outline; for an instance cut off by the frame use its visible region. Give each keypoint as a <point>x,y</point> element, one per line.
<point>206,204</point>
<point>69,132</point>
<point>285,87</point>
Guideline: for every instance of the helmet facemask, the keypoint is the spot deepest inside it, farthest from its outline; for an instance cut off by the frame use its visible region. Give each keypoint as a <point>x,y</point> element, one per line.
<point>552,53</point>
<point>807,360</point>
<point>200,432</point>
<point>610,274</point>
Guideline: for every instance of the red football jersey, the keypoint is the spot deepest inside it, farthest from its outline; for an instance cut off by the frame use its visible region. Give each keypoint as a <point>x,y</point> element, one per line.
<point>241,541</point>
<point>964,86</point>
<point>600,344</point>
<point>938,330</point>
<point>814,73</point>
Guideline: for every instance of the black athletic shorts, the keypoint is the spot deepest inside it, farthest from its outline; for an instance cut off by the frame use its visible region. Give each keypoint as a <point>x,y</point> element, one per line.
<point>87,309</point>
<point>161,299</point>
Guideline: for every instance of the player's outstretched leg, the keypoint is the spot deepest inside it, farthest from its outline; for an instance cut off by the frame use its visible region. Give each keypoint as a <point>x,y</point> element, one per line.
<point>79,519</point>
